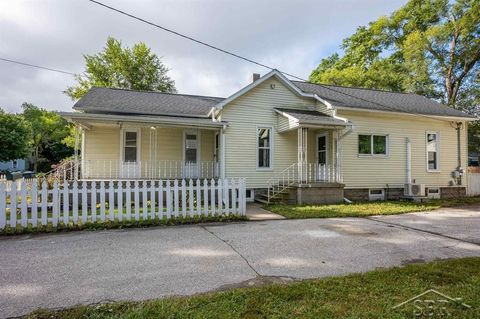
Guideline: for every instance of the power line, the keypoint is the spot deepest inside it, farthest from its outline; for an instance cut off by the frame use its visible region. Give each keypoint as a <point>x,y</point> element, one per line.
<point>245,58</point>
<point>37,66</point>
<point>211,46</point>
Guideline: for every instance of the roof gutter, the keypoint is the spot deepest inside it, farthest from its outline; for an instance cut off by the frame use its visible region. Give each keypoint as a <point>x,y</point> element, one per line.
<point>142,119</point>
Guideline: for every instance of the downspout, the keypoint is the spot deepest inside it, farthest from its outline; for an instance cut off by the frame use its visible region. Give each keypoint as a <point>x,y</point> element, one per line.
<point>409,160</point>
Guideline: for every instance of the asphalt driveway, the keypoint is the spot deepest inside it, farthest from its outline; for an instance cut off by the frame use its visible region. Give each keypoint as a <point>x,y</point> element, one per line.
<point>61,270</point>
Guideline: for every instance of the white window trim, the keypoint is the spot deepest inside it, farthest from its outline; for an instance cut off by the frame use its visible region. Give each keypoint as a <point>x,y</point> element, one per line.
<point>122,143</point>
<point>327,148</point>
<point>257,146</point>
<point>437,170</point>
<point>373,197</point>
<point>387,154</point>
<point>199,145</point>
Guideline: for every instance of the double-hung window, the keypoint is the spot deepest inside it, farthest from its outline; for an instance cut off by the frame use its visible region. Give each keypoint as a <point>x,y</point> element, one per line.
<point>372,144</point>
<point>432,140</point>
<point>264,147</point>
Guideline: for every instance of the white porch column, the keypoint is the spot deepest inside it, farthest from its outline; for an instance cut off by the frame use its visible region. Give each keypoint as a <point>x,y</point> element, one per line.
<point>302,143</point>
<point>338,157</point>
<point>222,151</point>
<point>75,153</point>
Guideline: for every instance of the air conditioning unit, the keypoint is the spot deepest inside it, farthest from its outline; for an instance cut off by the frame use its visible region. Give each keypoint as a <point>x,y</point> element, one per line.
<point>415,190</point>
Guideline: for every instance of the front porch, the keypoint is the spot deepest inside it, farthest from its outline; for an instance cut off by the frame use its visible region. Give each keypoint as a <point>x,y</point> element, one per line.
<point>108,149</point>
<point>316,176</point>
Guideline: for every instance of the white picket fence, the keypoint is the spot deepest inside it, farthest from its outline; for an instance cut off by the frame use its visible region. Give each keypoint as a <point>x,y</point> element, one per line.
<point>473,184</point>
<point>77,203</point>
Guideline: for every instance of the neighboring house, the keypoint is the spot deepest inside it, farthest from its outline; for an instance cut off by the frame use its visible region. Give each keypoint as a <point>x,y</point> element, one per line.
<point>15,165</point>
<point>303,142</point>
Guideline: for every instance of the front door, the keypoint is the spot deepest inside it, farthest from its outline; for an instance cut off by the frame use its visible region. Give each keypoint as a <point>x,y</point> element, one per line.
<point>322,157</point>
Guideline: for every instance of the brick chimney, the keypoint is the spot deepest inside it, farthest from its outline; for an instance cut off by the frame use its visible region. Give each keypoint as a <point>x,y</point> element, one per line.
<point>255,76</point>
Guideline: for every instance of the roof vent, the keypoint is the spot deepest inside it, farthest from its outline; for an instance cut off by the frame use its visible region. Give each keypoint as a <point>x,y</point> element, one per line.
<point>255,76</point>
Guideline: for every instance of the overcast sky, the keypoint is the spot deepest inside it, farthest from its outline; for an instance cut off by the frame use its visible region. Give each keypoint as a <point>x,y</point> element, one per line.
<point>292,36</point>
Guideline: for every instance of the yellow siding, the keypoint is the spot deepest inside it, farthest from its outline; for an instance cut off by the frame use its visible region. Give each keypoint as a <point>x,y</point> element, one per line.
<point>102,143</point>
<point>391,170</point>
<point>244,114</point>
<point>102,148</point>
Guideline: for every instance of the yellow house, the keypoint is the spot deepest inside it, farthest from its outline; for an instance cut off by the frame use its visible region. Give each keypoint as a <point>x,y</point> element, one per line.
<point>295,141</point>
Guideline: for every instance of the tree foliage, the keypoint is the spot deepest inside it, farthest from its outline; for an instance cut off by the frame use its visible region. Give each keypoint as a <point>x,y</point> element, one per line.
<point>431,47</point>
<point>15,137</point>
<point>48,135</point>
<point>123,67</point>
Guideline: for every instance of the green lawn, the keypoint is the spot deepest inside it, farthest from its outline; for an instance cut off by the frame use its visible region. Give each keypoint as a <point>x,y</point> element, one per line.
<point>365,208</point>
<point>369,295</point>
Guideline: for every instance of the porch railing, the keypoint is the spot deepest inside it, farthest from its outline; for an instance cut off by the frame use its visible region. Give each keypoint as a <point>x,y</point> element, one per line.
<point>302,173</point>
<point>111,169</point>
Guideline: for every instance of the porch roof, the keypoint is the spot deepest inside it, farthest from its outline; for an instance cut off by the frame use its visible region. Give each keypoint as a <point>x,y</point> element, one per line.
<point>311,117</point>
<point>87,119</point>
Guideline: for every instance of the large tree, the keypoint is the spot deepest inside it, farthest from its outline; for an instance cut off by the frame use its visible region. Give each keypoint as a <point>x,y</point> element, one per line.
<point>431,47</point>
<point>123,67</point>
<point>15,137</point>
<point>48,134</point>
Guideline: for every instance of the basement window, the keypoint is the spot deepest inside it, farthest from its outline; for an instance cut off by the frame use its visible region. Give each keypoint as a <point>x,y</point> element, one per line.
<point>376,194</point>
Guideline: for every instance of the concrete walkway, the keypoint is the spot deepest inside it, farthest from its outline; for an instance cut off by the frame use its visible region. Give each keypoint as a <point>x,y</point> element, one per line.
<point>256,212</point>
<point>65,269</point>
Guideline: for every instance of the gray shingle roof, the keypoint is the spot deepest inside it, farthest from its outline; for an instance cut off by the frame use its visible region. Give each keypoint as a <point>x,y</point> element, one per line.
<point>307,116</point>
<point>108,100</point>
<point>378,100</point>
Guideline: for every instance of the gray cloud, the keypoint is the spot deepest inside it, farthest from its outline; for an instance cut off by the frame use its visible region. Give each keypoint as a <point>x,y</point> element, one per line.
<point>290,35</point>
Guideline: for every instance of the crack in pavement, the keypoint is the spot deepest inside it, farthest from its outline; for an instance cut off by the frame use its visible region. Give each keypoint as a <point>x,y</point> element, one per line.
<point>423,231</point>
<point>233,248</point>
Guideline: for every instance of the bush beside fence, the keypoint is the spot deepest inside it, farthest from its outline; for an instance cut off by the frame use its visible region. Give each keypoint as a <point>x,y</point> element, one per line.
<point>78,203</point>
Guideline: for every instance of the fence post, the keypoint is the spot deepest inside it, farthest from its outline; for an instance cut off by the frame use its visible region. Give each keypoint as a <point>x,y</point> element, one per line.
<point>184,198</point>
<point>13,205</point>
<point>175,197</point>
<point>136,198</point>
<point>111,201</point>
<point>93,199</point>
<point>205,197</point>
<point>212,196</point>
<point>3,202</point>
<point>190,198</point>
<point>34,198</point>
<point>145,200</point>
<point>152,199</point>
<point>66,209</point>
<point>119,201</point>
<point>199,198</point>
<point>234,197</point>
<point>244,197</point>
<point>55,203</point>
<point>23,203</point>
<point>226,188</point>
<point>128,201</point>
<point>75,202</point>
<point>84,202</point>
<point>220,197</point>
<point>102,201</point>
<point>160,199</point>
<point>168,197</point>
